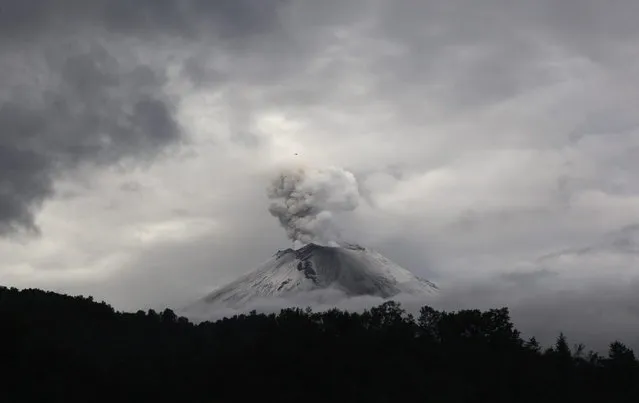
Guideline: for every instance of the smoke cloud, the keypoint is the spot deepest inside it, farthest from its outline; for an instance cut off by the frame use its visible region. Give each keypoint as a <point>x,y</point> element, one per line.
<point>305,201</point>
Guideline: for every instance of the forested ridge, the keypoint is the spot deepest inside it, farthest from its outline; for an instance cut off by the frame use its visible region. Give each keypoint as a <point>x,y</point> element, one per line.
<point>57,348</point>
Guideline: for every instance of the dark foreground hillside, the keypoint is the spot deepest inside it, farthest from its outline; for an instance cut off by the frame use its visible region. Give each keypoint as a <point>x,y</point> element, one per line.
<point>56,348</point>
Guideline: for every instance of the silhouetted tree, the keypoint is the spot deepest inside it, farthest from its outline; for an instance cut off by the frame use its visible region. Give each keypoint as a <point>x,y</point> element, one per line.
<point>533,345</point>
<point>561,349</point>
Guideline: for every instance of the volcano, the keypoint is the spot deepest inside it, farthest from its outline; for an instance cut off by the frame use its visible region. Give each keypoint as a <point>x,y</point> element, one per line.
<point>349,268</point>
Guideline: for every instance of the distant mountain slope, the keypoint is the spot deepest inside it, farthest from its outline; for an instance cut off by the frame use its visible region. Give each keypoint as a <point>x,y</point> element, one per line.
<point>350,268</point>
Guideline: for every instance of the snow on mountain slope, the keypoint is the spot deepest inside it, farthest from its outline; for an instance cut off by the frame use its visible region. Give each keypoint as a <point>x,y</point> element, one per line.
<point>351,269</point>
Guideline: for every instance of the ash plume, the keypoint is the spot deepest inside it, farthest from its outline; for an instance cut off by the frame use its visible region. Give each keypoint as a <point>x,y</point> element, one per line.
<point>305,201</point>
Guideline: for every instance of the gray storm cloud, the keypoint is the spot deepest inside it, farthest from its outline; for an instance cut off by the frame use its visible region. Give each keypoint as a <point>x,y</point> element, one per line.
<point>305,201</point>
<point>83,86</point>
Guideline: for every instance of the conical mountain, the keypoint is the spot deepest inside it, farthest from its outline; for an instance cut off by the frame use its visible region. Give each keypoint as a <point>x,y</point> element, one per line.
<point>352,269</point>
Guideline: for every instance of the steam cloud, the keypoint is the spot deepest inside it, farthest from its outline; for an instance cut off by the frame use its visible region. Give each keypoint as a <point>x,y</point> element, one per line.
<point>305,201</point>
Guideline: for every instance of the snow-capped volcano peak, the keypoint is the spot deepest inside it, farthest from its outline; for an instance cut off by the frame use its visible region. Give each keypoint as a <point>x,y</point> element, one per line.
<point>349,268</point>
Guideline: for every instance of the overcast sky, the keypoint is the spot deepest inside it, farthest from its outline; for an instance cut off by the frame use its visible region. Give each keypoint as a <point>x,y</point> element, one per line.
<point>496,145</point>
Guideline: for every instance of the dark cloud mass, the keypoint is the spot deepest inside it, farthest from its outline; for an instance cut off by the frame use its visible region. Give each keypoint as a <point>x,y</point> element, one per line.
<point>87,102</point>
<point>91,110</point>
<point>191,18</point>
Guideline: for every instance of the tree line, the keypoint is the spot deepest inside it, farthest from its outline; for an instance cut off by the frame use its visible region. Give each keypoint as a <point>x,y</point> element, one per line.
<point>58,348</point>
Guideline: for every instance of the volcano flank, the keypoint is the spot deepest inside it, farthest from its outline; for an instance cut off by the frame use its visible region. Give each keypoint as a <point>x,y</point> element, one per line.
<point>349,268</point>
